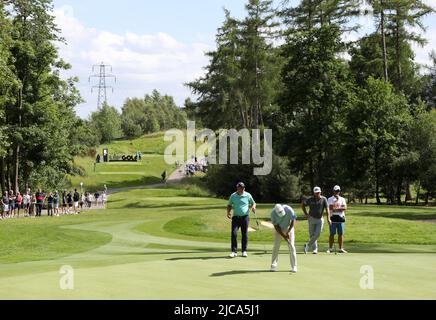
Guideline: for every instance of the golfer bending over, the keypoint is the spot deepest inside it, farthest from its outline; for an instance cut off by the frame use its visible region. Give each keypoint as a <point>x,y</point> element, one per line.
<point>338,206</point>
<point>240,202</point>
<point>283,218</point>
<point>317,204</point>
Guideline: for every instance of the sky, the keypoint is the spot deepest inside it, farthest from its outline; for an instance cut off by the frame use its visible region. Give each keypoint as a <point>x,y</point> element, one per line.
<point>154,44</point>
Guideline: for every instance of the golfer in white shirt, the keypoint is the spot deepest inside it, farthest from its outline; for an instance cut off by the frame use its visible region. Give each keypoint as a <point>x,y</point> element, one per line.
<point>283,218</point>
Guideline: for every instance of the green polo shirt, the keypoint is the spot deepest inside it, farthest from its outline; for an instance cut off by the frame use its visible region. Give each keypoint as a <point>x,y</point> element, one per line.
<point>241,204</point>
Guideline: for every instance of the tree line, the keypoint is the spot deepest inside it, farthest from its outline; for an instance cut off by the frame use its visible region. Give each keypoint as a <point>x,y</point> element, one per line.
<point>40,133</point>
<point>359,113</point>
<point>39,130</point>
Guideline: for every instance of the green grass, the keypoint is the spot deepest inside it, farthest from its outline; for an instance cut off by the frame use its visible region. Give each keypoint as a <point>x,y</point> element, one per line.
<point>362,227</point>
<point>125,174</point>
<point>172,244</point>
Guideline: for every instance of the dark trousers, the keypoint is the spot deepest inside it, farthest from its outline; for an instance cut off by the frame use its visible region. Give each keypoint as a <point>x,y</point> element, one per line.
<point>243,223</point>
<point>39,209</point>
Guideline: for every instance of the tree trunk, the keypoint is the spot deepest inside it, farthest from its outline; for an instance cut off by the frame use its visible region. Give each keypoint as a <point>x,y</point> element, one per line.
<point>384,48</point>
<point>408,193</point>
<point>398,50</point>
<point>312,178</point>
<point>8,176</point>
<point>2,175</point>
<point>427,197</point>
<point>417,194</point>
<point>17,149</point>
<point>399,185</point>
<point>310,19</point>
<point>16,169</point>
<point>377,182</point>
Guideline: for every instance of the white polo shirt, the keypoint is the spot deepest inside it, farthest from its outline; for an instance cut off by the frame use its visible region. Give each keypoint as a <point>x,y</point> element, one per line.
<point>337,203</point>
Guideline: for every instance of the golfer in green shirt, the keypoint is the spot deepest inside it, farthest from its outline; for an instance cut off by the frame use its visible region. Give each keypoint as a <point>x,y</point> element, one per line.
<point>240,202</point>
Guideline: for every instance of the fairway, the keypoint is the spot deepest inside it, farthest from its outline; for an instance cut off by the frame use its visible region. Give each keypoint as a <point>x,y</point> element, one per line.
<point>170,244</point>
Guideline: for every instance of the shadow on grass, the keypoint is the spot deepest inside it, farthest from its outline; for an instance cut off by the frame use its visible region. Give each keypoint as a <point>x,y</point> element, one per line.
<point>410,216</point>
<point>199,258</point>
<point>138,205</point>
<point>237,272</point>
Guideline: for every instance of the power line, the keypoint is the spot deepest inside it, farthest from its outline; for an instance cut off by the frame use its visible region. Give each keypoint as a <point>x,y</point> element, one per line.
<point>102,87</point>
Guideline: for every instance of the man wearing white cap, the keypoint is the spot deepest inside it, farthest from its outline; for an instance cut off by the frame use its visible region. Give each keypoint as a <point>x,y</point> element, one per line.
<point>283,218</point>
<point>317,204</point>
<point>338,206</point>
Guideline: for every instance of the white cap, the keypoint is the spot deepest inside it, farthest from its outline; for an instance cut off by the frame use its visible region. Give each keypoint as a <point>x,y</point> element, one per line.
<point>280,211</point>
<point>317,190</point>
<point>337,188</point>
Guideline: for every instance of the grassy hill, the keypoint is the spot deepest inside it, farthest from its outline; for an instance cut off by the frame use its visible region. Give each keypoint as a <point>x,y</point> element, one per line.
<point>127,174</point>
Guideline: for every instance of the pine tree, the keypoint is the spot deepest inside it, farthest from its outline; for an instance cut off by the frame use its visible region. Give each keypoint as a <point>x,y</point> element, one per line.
<point>311,14</point>
<point>259,65</point>
<point>405,15</point>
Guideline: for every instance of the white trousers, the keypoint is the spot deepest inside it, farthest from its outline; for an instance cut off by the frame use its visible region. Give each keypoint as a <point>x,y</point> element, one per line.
<point>291,245</point>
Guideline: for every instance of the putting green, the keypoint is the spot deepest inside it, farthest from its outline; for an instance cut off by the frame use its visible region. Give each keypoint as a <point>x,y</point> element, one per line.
<point>138,255</point>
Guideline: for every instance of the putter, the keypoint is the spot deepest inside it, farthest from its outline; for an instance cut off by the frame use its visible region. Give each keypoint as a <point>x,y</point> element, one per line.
<point>258,229</point>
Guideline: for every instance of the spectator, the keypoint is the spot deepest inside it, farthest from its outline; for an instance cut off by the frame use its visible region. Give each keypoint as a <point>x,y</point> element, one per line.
<point>82,201</point>
<point>32,209</point>
<point>96,197</point>
<point>69,202</point>
<point>88,199</point>
<point>26,203</point>
<point>64,202</point>
<point>5,205</point>
<point>76,199</point>
<point>50,205</point>
<point>104,199</point>
<point>19,203</point>
<point>12,199</point>
<point>40,197</point>
<point>56,203</point>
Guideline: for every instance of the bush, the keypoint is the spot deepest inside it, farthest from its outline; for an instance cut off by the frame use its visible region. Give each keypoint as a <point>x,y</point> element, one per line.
<point>279,186</point>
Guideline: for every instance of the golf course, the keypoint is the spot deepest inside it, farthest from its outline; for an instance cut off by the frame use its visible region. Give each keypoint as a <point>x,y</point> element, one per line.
<point>172,242</point>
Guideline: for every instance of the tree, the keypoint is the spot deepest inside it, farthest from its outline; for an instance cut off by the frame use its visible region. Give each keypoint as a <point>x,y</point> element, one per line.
<point>423,139</point>
<point>106,123</point>
<point>151,114</point>
<point>309,14</point>
<point>375,135</point>
<point>36,66</point>
<point>429,92</point>
<point>317,92</point>
<point>219,94</point>
<point>241,81</point>
<point>8,87</point>
<point>379,10</point>
<point>406,16</point>
<point>260,65</point>
<point>367,60</point>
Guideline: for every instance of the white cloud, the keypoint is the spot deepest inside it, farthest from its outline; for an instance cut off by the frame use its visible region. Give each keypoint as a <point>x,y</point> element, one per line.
<point>141,62</point>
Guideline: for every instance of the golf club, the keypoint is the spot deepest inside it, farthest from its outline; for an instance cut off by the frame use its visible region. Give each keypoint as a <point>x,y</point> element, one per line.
<point>258,229</point>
